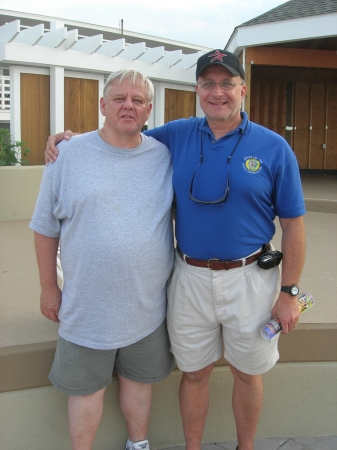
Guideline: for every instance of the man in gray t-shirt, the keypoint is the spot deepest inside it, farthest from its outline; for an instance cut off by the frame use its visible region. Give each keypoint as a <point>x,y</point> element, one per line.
<point>107,203</point>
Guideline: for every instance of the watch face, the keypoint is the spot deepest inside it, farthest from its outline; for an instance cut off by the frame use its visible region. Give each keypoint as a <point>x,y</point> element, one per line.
<point>294,290</point>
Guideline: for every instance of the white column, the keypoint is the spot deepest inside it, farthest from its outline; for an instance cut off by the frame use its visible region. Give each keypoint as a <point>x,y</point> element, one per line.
<point>56,99</point>
<point>159,105</point>
<point>100,94</point>
<point>244,68</point>
<point>150,122</point>
<point>15,106</point>
<point>198,111</point>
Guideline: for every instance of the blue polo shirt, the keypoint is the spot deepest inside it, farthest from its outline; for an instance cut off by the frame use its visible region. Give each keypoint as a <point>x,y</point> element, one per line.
<point>264,182</point>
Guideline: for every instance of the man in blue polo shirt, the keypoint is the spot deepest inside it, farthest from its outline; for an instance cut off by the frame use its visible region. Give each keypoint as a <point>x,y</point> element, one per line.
<point>231,179</point>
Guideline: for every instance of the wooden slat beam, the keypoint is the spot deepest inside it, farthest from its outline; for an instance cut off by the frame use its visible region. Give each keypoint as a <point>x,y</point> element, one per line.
<point>112,48</point>
<point>30,35</point>
<point>291,57</point>
<point>9,31</point>
<point>54,38</point>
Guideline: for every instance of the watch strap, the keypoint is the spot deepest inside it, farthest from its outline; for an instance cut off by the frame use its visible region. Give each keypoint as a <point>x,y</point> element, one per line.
<point>289,289</point>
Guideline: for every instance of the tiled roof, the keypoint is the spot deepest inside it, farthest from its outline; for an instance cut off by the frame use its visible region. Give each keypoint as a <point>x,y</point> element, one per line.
<point>295,9</point>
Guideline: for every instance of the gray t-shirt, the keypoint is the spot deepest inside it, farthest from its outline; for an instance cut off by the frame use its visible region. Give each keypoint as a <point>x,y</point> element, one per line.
<point>111,209</point>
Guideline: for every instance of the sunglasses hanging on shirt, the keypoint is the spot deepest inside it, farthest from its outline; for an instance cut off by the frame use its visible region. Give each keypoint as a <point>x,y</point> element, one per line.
<point>223,199</point>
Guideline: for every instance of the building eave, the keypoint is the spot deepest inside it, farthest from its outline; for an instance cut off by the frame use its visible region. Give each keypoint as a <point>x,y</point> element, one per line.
<point>313,27</point>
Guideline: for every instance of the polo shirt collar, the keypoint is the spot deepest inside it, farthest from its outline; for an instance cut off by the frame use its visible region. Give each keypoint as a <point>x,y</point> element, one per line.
<point>243,127</point>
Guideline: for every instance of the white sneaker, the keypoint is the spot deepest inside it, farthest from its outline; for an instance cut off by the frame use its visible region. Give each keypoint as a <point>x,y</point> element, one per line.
<point>140,445</point>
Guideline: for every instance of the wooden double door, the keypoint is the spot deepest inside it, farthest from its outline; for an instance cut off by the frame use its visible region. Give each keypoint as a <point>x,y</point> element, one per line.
<point>80,110</point>
<point>301,105</point>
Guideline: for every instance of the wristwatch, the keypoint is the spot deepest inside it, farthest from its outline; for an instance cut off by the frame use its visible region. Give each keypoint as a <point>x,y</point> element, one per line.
<point>292,290</point>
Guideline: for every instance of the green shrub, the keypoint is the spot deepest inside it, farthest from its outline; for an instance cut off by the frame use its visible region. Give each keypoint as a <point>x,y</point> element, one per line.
<point>9,151</point>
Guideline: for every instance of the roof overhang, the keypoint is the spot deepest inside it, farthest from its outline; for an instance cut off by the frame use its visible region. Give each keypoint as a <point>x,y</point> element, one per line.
<point>310,27</point>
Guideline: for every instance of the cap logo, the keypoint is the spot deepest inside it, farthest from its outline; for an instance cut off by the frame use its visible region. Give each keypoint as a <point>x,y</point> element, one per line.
<point>217,56</point>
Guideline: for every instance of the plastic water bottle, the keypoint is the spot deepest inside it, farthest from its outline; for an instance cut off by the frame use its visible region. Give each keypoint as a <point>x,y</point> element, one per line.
<point>273,327</point>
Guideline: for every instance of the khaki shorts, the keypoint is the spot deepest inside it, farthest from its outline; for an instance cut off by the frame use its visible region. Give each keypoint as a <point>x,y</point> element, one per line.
<point>209,308</point>
<point>80,370</point>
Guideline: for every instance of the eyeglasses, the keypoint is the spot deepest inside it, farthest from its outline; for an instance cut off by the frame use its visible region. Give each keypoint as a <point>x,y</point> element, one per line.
<point>225,85</point>
<point>223,199</point>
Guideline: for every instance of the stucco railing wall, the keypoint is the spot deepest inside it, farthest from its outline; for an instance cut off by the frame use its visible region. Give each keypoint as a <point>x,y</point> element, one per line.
<point>19,187</point>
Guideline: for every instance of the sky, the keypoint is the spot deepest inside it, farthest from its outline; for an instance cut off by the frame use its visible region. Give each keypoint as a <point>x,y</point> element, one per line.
<point>198,22</point>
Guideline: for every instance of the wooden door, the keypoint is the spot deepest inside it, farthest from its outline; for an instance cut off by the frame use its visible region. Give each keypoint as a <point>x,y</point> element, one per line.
<point>80,104</point>
<point>303,112</point>
<point>268,105</point>
<point>179,104</point>
<point>331,127</point>
<point>315,125</point>
<point>302,119</point>
<point>35,114</point>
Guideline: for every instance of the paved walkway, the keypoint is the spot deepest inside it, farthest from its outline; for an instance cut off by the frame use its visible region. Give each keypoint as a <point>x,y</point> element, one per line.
<point>298,443</point>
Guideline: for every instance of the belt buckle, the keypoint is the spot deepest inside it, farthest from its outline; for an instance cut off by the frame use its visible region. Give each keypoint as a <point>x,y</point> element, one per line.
<point>210,260</point>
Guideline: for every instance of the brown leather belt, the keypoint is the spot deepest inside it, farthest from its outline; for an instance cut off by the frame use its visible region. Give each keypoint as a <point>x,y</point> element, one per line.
<point>216,264</point>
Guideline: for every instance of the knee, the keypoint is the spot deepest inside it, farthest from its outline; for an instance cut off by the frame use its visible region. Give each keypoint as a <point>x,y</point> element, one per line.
<point>245,378</point>
<point>199,376</point>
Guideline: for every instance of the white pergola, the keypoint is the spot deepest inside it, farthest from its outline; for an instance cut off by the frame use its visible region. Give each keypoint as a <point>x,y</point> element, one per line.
<point>61,53</point>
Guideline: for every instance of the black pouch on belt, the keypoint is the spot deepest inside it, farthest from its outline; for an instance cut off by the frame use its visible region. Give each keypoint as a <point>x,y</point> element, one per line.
<point>270,259</point>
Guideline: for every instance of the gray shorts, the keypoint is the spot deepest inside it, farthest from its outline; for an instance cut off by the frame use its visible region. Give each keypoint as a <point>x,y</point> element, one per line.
<point>80,370</point>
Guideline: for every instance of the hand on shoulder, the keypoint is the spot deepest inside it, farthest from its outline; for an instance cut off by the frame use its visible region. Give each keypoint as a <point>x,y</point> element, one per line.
<point>51,152</point>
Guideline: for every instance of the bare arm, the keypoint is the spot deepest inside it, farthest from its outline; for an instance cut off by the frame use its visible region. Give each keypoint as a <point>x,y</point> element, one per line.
<point>50,297</point>
<point>293,249</point>
<point>51,152</point>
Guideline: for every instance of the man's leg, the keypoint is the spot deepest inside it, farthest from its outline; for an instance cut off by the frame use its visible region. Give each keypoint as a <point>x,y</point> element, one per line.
<point>135,402</point>
<point>247,403</point>
<point>85,413</point>
<point>138,366</point>
<point>194,401</point>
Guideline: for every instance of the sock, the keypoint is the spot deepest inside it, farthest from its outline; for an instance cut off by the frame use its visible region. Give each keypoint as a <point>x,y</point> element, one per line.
<point>140,445</point>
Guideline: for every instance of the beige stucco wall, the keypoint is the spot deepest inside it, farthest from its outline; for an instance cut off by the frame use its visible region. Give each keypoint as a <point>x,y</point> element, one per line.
<point>19,187</point>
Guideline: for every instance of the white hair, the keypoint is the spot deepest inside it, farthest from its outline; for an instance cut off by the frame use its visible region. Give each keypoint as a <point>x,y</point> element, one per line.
<point>136,78</point>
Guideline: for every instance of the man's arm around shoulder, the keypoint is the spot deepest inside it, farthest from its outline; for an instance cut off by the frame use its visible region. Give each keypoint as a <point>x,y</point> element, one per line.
<point>51,152</point>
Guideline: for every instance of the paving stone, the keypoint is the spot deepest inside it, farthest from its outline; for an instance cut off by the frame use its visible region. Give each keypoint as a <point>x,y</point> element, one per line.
<point>318,443</point>
<point>174,448</point>
<point>270,444</point>
<point>298,443</point>
<point>226,446</point>
<point>290,444</point>
<point>212,447</point>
